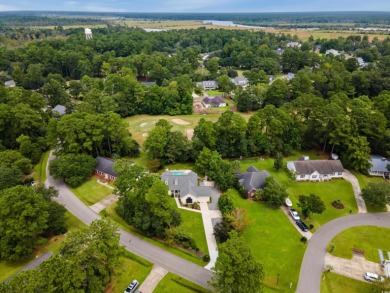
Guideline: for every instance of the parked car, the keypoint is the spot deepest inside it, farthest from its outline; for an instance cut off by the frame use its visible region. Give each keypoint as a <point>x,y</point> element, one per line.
<point>131,288</point>
<point>373,277</point>
<point>302,226</point>
<point>295,215</point>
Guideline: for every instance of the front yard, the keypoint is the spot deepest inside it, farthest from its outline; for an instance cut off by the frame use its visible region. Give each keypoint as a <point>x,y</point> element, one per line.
<point>91,192</point>
<point>173,283</point>
<point>367,238</point>
<point>275,243</point>
<point>333,283</point>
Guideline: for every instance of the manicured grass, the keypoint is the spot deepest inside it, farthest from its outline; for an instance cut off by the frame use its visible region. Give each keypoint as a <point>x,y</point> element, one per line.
<point>367,238</point>
<point>327,191</point>
<point>192,223</point>
<point>8,269</point>
<point>140,125</point>
<point>274,242</point>
<point>213,93</point>
<point>173,283</point>
<point>334,283</point>
<point>110,211</point>
<point>40,168</point>
<point>91,192</point>
<point>131,267</point>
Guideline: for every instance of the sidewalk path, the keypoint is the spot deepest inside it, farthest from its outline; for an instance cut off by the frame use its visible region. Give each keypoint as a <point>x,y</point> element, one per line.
<point>105,184</point>
<point>105,202</point>
<point>307,234</point>
<point>209,230</point>
<point>154,277</point>
<point>356,190</point>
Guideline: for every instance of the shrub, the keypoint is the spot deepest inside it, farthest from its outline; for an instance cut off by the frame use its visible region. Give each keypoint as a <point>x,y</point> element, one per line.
<point>303,239</point>
<point>311,226</point>
<point>206,258</point>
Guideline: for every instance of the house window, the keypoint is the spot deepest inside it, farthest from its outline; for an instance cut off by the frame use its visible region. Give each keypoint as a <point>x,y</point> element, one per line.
<point>339,173</point>
<point>314,176</point>
<point>302,176</point>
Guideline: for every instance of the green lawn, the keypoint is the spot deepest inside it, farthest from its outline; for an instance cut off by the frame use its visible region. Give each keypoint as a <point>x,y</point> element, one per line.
<point>40,168</point>
<point>192,223</point>
<point>91,192</point>
<point>368,238</point>
<point>110,211</point>
<point>173,283</point>
<point>328,191</point>
<point>131,267</point>
<point>213,93</point>
<point>275,243</point>
<point>8,269</point>
<point>363,181</point>
<point>334,283</point>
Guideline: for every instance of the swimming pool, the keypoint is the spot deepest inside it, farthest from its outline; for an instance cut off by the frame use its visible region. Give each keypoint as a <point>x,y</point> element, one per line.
<point>178,173</point>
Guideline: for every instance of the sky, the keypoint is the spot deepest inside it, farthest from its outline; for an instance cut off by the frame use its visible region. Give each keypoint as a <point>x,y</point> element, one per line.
<point>196,5</point>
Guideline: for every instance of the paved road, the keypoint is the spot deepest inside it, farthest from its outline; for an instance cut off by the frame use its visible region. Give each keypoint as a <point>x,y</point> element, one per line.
<point>313,260</point>
<point>154,254</point>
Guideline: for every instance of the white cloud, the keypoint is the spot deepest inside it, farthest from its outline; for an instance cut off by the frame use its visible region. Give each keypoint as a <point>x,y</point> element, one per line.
<point>71,3</point>
<point>6,7</point>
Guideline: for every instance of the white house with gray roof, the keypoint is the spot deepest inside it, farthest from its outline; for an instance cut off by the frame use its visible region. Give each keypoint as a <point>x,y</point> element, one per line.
<point>315,170</point>
<point>252,180</point>
<point>208,84</point>
<point>184,184</point>
<point>379,166</point>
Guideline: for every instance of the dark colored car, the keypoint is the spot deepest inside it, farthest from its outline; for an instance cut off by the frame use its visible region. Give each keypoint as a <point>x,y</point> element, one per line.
<point>302,226</point>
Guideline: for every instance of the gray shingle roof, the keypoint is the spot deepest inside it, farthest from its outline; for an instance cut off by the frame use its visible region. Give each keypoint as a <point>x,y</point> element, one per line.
<point>321,166</point>
<point>60,109</point>
<point>186,181</point>
<point>252,179</point>
<point>379,164</point>
<point>105,165</point>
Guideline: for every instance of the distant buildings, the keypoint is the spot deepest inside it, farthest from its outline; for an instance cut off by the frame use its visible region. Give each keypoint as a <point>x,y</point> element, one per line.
<point>240,81</point>
<point>214,102</point>
<point>60,109</point>
<point>208,84</point>
<point>289,76</point>
<point>279,51</point>
<point>379,166</point>
<point>294,45</point>
<point>10,83</point>
<point>333,52</point>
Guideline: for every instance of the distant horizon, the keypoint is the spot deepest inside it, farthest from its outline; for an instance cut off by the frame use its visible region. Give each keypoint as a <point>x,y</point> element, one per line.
<point>199,6</point>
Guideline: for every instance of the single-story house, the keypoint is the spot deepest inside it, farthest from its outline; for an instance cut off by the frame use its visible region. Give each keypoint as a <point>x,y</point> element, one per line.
<point>379,166</point>
<point>147,83</point>
<point>315,170</point>
<point>183,184</point>
<point>10,83</point>
<point>361,62</point>
<point>240,81</point>
<point>293,45</point>
<point>279,51</point>
<point>289,76</point>
<point>60,109</point>
<point>208,84</point>
<point>104,169</point>
<point>214,102</point>
<point>333,52</point>
<point>252,180</point>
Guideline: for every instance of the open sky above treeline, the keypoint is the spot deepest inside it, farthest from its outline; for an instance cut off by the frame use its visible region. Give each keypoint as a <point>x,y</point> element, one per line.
<point>196,6</point>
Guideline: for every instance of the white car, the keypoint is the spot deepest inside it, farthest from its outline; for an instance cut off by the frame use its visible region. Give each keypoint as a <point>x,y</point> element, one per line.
<point>373,277</point>
<point>295,215</point>
<point>131,288</point>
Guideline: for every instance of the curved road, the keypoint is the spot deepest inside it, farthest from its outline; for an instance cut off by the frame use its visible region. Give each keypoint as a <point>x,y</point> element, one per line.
<point>313,260</point>
<point>154,254</point>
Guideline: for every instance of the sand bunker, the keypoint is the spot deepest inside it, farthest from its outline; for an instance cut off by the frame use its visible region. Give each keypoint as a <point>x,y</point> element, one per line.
<point>143,124</point>
<point>189,133</point>
<point>180,121</point>
<point>145,134</point>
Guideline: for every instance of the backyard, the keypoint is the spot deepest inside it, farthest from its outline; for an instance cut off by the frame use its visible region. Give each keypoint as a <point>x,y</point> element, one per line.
<point>333,283</point>
<point>173,283</point>
<point>275,243</point>
<point>367,238</point>
<point>91,192</point>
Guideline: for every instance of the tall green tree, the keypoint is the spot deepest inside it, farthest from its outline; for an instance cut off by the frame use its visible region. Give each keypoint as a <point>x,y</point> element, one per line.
<point>377,194</point>
<point>311,204</point>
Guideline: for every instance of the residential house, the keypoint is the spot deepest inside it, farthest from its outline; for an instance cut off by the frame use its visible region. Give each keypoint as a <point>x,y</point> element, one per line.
<point>289,76</point>
<point>183,184</point>
<point>214,102</point>
<point>315,170</point>
<point>240,81</point>
<point>252,180</point>
<point>271,79</point>
<point>361,62</point>
<point>333,52</point>
<point>208,84</point>
<point>147,83</point>
<point>379,166</point>
<point>294,45</point>
<point>279,51</point>
<point>60,109</point>
<point>104,169</point>
<point>10,83</point>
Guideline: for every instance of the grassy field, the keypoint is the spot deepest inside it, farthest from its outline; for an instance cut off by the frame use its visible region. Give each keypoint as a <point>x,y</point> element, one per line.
<point>40,168</point>
<point>8,269</point>
<point>363,181</point>
<point>368,238</point>
<point>91,192</point>
<point>140,125</point>
<point>213,93</point>
<point>110,211</point>
<point>173,283</point>
<point>274,242</point>
<point>334,283</point>
<point>328,191</point>
<point>131,267</point>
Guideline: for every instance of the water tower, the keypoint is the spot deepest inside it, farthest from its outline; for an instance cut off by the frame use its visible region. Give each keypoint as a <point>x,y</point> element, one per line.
<point>88,33</point>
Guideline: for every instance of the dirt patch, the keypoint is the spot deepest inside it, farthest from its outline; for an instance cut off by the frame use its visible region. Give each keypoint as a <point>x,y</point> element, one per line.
<point>189,133</point>
<point>180,121</point>
<point>145,134</point>
<point>337,204</point>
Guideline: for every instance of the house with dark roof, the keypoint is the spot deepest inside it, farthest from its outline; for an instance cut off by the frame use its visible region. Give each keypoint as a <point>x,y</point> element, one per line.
<point>252,180</point>
<point>183,184</point>
<point>379,166</point>
<point>315,170</point>
<point>279,51</point>
<point>104,169</point>
<point>214,102</point>
<point>208,84</point>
